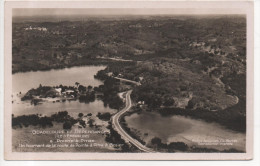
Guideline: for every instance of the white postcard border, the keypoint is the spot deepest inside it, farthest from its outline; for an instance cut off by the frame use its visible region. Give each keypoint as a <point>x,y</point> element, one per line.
<point>229,7</point>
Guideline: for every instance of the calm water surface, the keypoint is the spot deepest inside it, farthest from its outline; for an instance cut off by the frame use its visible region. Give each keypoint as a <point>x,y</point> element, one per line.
<point>169,129</point>
<point>22,82</point>
<point>49,108</point>
<point>183,129</point>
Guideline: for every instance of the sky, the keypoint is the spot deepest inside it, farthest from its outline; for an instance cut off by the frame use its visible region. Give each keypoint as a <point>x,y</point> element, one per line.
<point>136,11</point>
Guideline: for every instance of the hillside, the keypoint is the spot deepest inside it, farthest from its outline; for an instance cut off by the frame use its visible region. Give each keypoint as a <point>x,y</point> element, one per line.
<point>186,65</point>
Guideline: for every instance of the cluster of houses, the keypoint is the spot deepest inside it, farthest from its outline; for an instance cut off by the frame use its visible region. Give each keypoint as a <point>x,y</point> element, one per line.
<point>36,28</point>
<point>111,74</point>
<point>208,48</point>
<point>72,92</point>
<point>140,52</point>
<point>197,44</point>
<point>57,93</point>
<point>66,57</point>
<point>139,25</point>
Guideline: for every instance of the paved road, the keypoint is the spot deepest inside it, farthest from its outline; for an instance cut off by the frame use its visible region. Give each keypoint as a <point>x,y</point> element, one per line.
<point>121,131</point>
<point>126,80</point>
<point>116,59</point>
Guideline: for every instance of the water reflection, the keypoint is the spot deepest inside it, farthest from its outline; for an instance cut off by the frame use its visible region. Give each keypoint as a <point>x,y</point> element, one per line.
<point>22,82</point>
<point>182,129</point>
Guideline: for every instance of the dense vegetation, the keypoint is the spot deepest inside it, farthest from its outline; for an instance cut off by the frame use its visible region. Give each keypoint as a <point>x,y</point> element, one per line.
<point>110,89</point>
<point>231,117</point>
<point>105,116</point>
<point>26,120</point>
<point>107,92</point>
<point>37,120</point>
<point>189,66</point>
<point>115,138</point>
<point>71,43</point>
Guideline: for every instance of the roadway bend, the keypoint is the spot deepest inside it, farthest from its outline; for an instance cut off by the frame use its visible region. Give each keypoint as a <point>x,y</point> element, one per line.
<point>122,132</point>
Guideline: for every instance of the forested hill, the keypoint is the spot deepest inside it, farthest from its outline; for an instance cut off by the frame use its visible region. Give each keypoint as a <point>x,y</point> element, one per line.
<point>43,45</point>
<point>186,65</point>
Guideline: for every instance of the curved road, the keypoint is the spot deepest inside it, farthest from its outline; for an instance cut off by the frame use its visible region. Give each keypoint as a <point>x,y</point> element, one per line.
<point>121,131</point>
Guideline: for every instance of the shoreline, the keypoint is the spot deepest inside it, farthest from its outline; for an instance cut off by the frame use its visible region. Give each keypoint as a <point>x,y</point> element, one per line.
<point>59,68</point>
<point>92,62</point>
<point>192,145</point>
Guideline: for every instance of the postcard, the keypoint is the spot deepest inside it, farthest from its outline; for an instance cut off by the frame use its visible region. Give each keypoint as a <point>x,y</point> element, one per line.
<point>129,80</point>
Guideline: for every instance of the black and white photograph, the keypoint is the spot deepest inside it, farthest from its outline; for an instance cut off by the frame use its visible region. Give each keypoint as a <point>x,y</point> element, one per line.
<point>129,81</point>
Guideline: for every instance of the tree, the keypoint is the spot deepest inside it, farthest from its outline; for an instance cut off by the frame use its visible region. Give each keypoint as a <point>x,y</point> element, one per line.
<point>80,115</point>
<point>63,114</point>
<point>105,116</point>
<point>96,89</point>
<point>168,102</point>
<point>89,87</point>
<point>115,73</point>
<point>191,104</point>
<point>178,146</point>
<point>183,87</point>
<point>90,122</point>
<point>77,84</point>
<point>82,123</point>
<point>67,125</point>
<point>82,88</point>
<point>55,55</point>
<point>156,141</point>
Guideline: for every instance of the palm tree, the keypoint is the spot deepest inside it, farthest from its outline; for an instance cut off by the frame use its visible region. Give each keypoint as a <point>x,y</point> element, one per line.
<point>89,87</point>
<point>77,84</point>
